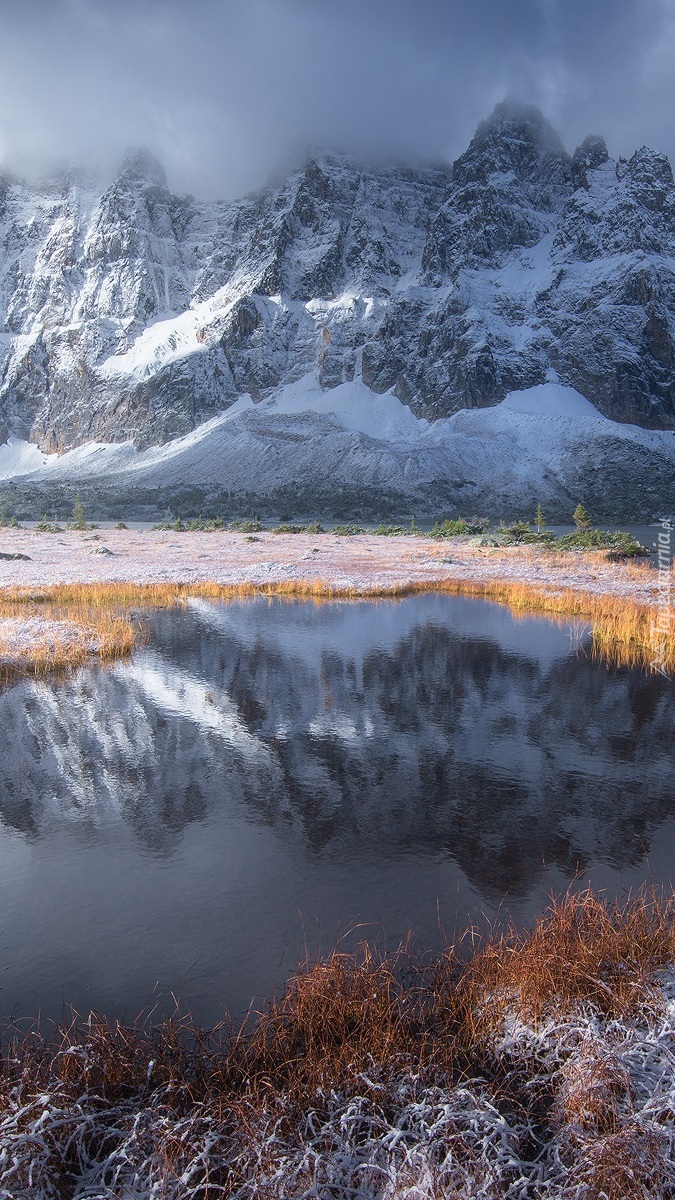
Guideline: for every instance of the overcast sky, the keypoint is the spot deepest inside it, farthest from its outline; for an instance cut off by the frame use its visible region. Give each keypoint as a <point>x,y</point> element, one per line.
<point>225,91</point>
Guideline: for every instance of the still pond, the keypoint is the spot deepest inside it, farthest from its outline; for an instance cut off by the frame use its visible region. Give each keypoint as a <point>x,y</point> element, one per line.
<point>266,778</point>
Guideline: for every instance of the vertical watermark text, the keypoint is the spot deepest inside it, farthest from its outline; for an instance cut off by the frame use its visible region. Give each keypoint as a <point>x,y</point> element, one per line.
<point>661,628</point>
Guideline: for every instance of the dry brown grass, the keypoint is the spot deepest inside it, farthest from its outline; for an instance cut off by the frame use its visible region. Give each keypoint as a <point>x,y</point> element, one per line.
<point>70,631</point>
<point>622,632</point>
<point>335,1021</point>
<point>594,1087</point>
<point>370,1067</point>
<point>582,950</point>
<point>339,1016</point>
<point>631,1164</point>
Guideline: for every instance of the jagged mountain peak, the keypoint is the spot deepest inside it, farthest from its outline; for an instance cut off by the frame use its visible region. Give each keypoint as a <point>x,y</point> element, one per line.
<point>588,156</point>
<point>324,177</point>
<point>139,166</point>
<point>512,113</point>
<point>593,150</point>
<point>651,176</point>
<point>515,140</point>
<point>513,175</point>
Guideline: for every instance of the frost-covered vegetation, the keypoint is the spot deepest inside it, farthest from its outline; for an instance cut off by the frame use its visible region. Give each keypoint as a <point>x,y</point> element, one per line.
<point>614,604</point>
<point>539,1065</point>
<point>40,635</point>
<point>585,537</point>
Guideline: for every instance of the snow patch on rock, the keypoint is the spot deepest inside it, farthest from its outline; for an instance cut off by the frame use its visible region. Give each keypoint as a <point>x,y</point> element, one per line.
<point>354,406</point>
<point>18,457</point>
<point>551,400</point>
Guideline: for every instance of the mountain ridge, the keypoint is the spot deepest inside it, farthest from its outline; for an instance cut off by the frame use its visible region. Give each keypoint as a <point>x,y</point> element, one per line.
<point>133,314</point>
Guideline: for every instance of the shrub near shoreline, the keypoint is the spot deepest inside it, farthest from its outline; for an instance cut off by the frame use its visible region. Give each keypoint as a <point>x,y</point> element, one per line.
<point>618,543</point>
<point>538,1065</point>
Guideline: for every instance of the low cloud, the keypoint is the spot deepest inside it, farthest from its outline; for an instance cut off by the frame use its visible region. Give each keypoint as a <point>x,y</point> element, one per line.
<point>225,93</point>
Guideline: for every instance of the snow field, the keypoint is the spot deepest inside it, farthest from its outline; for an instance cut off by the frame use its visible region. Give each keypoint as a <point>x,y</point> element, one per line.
<point>357,437</point>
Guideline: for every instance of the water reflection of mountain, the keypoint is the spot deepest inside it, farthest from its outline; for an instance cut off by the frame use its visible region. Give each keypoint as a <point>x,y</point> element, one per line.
<point>436,724</point>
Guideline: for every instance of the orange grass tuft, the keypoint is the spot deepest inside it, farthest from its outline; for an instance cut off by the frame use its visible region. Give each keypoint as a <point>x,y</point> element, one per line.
<point>365,1053</point>
<point>622,631</point>
<point>70,631</point>
<point>336,1020</point>
<point>581,950</point>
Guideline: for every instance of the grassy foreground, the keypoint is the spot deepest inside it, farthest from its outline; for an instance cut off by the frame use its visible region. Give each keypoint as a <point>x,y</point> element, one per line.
<point>47,633</point>
<point>622,631</point>
<point>539,1065</point>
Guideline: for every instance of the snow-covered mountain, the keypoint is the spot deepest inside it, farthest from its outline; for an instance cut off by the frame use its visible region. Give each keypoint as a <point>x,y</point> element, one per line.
<point>346,318</point>
<point>350,452</point>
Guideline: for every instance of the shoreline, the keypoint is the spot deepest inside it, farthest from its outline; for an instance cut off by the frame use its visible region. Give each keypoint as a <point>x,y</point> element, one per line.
<point>538,1062</point>
<point>92,580</point>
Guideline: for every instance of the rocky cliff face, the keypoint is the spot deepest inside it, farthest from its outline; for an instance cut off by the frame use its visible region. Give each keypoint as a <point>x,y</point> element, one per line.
<point>137,314</point>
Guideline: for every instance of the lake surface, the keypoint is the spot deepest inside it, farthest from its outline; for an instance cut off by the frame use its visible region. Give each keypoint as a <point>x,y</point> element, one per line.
<point>266,776</point>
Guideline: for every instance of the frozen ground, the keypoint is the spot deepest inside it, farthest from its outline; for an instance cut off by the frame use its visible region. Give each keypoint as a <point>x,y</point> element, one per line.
<point>582,1109</point>
<point>363,561</point>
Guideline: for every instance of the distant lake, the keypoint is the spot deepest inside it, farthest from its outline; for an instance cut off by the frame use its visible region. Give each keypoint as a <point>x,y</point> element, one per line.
<point>266,777</point>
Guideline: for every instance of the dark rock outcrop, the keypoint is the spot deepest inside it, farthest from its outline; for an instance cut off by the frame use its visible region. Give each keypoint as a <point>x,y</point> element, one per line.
<point>137,314</point>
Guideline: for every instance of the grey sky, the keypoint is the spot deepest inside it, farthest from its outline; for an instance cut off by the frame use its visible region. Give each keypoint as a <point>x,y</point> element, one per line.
<point>223,91</point>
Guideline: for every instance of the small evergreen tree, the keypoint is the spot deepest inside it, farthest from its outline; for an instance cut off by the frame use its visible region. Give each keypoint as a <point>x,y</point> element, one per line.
<point>79,518</point>
<point>518,531</point>
<point>581,518</point>
<point>539,518</point>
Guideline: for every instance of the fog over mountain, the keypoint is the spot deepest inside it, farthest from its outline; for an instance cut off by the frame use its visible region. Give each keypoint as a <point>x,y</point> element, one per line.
<point>409,251</point>
<point>225,92</point>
